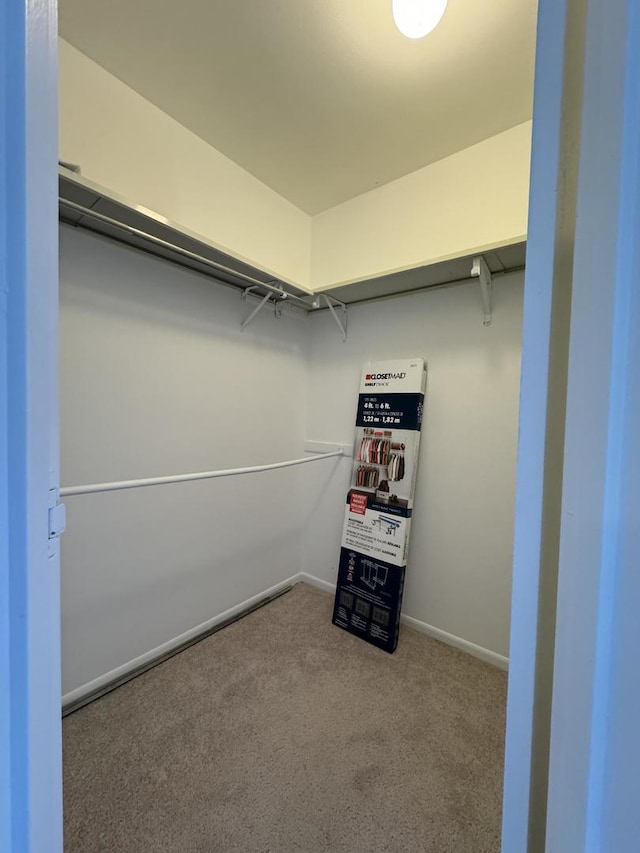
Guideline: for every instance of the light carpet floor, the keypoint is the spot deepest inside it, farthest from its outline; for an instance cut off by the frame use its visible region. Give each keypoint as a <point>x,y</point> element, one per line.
<point>283,733</point>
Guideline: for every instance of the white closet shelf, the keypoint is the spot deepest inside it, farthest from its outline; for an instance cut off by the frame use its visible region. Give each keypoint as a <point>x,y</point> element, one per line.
<point>85,204</point>
<point>499,262</point>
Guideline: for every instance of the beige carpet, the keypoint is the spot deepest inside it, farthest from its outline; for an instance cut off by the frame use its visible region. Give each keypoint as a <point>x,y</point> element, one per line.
<point>283,733</point>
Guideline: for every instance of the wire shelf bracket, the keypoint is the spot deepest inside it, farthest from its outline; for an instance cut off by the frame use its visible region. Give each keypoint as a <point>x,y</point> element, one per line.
<point>481,271</point>
<point>341,321</point>
<point>266,298</point>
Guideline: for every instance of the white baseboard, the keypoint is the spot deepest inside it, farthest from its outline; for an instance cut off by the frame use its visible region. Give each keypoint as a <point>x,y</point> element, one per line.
<point>115,675</point>
<point>312,580</point>
<point>457,642</point>
<point>476,651</point>
<point>121,672</point>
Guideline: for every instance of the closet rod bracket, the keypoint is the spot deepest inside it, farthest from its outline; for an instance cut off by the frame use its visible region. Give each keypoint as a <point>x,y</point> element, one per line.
<point>267,296</point>
<point>57,515</point>
<point>481,271</point>
<point>341,321</point>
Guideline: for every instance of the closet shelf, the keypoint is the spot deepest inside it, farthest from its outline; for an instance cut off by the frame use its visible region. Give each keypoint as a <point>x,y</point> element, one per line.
<point>85,204</point>
<point>499,262</point>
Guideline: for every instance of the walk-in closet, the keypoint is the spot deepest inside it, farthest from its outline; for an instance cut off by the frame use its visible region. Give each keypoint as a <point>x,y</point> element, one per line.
<point>258,200</point>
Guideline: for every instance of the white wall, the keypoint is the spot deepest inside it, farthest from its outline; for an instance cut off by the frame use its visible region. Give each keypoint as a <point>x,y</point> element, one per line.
<point>157,378</point>
<point>459,569</point>
<point>472,201</point>
<point>128,145</point>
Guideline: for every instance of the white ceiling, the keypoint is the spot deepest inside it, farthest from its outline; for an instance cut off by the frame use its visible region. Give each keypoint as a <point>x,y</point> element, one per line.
<point>320,99</point>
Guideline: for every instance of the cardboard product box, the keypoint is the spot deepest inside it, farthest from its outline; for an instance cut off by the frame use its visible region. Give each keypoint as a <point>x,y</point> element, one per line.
<point>379,506</point>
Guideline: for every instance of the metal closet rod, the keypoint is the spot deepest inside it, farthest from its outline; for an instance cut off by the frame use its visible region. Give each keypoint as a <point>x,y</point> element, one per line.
<point>185,253</point>
<point>95,488</point>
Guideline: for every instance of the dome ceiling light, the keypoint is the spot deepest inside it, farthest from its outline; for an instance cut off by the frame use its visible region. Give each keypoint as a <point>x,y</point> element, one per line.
<point>417,18</point>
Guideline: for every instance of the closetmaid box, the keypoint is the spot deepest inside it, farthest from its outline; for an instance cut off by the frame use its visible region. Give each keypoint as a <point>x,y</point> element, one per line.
<point>375,536</point>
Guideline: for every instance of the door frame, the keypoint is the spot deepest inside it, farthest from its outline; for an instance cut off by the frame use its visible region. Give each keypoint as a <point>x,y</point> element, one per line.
<point>30,725</point>
<point>568,769</point>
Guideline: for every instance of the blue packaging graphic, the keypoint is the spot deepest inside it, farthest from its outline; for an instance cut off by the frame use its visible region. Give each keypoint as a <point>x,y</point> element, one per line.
<point>379,505</point>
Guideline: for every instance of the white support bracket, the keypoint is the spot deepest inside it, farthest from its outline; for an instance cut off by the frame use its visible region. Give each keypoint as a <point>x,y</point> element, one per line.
<point>328,447</point>
<point>481,271</point>
<point>258,307</point>
<point>248,291</point>
<point>340,322</point>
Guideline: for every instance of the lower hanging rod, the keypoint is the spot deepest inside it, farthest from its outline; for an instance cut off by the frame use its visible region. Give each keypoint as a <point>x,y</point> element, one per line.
<point>95,488</point>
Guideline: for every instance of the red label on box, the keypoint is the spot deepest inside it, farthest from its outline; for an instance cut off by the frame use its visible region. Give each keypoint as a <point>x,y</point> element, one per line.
<point>358,504</point>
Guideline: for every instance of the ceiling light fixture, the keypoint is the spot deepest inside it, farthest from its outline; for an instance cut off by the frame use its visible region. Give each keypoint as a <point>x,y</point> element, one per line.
<point>417,18</point>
